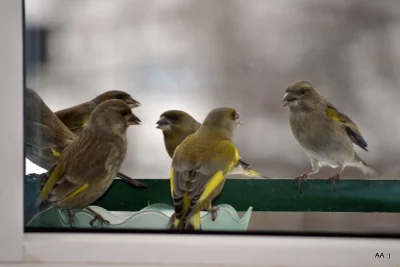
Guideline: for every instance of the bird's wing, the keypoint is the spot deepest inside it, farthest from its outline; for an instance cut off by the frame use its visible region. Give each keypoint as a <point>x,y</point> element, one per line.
<point>75,118</point>
<point>55,175</point>
<point>351,128</point>
<point>192,183</point>
<point>79,167</point>
<point>58,187</point>
<point>46,136</point>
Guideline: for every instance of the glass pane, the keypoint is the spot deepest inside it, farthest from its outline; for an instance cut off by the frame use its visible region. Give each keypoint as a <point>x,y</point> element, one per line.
<point>184,114</point>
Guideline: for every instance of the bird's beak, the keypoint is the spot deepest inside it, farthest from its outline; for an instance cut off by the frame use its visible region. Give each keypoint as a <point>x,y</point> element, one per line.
<point>288,99</point>
<point>132,103</point>
<point>133,120</point>
<point>163,124</point>
<point>237,118</point>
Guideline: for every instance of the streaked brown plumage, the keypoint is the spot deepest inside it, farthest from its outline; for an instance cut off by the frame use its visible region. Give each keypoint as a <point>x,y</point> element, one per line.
<point>46,136</point>
<point>76,117</point>
<point>87,167</point>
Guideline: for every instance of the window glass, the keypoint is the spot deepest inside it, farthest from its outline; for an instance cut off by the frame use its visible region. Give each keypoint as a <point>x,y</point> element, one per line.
<point>211,115</point>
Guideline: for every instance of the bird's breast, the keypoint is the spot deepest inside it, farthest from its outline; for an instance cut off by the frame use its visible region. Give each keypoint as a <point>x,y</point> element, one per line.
<point>321,137</point>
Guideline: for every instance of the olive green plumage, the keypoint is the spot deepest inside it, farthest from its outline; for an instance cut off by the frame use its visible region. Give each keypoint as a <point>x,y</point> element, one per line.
<point>87,167</point>
<point>326,134</point>
<point>76,117</point>
<point>199,166</point>
<point>176,125</point>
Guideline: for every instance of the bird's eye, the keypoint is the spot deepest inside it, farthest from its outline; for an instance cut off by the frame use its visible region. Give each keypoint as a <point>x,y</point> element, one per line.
<point>119,96</point>
<point>124,113</point>
<point>301,92</point>
<point>174,118</point>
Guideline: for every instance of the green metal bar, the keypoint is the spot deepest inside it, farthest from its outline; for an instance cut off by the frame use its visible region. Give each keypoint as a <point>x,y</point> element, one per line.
<point>263,195</point>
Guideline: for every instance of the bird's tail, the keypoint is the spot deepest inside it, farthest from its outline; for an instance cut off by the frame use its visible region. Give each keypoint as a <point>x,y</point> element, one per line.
<point>131,181</point>
<point>190,224</point>
<point>366,169</point>
<point>252,173</point>
<point>194,222</point>
<point>35,209</point>
<point>242,168</point>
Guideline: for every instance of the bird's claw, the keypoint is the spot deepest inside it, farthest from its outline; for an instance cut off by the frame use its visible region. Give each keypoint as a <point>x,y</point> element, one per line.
<point>213,212</point>
<point>70,217</point>
<point>98,217</point>
<point>304,177</point>
<point>333,179</point>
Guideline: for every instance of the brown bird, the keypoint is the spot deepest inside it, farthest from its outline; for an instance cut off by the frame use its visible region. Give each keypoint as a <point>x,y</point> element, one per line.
<point>327,135</point>
<point>46,136</point>
<point>87,167</point>
<point>76,117</point>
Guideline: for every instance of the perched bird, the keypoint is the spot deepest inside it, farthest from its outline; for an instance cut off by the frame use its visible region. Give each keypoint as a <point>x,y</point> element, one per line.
<point>199,166</point>
<point>87,167</point>
<point>326,134</point>
<point>176,125</point>
<point>46,136</point>
<point>76,117</point>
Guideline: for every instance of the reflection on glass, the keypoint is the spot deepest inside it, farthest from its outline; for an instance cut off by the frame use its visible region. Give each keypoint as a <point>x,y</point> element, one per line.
<point>122,95</point>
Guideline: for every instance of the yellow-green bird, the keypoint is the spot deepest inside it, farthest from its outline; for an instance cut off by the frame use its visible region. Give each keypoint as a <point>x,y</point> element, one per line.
<point>46,136</point>
<point>199,166</point>
<point>76,117</point>
<point>326,134</point>
<point>88,166</point>
<point>176,125</point>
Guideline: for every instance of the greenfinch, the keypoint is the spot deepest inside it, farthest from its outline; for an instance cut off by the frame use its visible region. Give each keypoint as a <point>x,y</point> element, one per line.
<point>87,167</point>
<point>46,136</point>
<point>199,166</point>
<point>76,117</point>
<point>326,134</point>
<point>176,125</point>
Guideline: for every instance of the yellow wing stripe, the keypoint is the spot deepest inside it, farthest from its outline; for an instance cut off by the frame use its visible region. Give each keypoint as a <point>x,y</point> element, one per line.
<point>76,192</point>
<point>55,153</point>
<point>234,162</point>
<point>85,120</point>
<point>214,182</point>
<point>334,115</point>
<point>218,178</point>
<point>195,221</point>
<point>176,223</point>
<point>54,177</point>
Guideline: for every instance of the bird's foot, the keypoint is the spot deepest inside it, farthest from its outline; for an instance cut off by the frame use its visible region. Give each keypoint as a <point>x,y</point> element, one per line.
<point>71,215</point>
<point>173,218</point>
<point>304,177</point>
<point>334,179</point>
<point>97,217</point>
<point>213,212</point>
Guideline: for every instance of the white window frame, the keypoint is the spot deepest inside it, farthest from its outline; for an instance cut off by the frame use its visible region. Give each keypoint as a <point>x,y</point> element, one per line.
<point>148,249</point>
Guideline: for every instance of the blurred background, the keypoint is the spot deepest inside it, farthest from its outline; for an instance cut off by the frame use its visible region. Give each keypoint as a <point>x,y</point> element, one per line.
<point>198,55</point>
